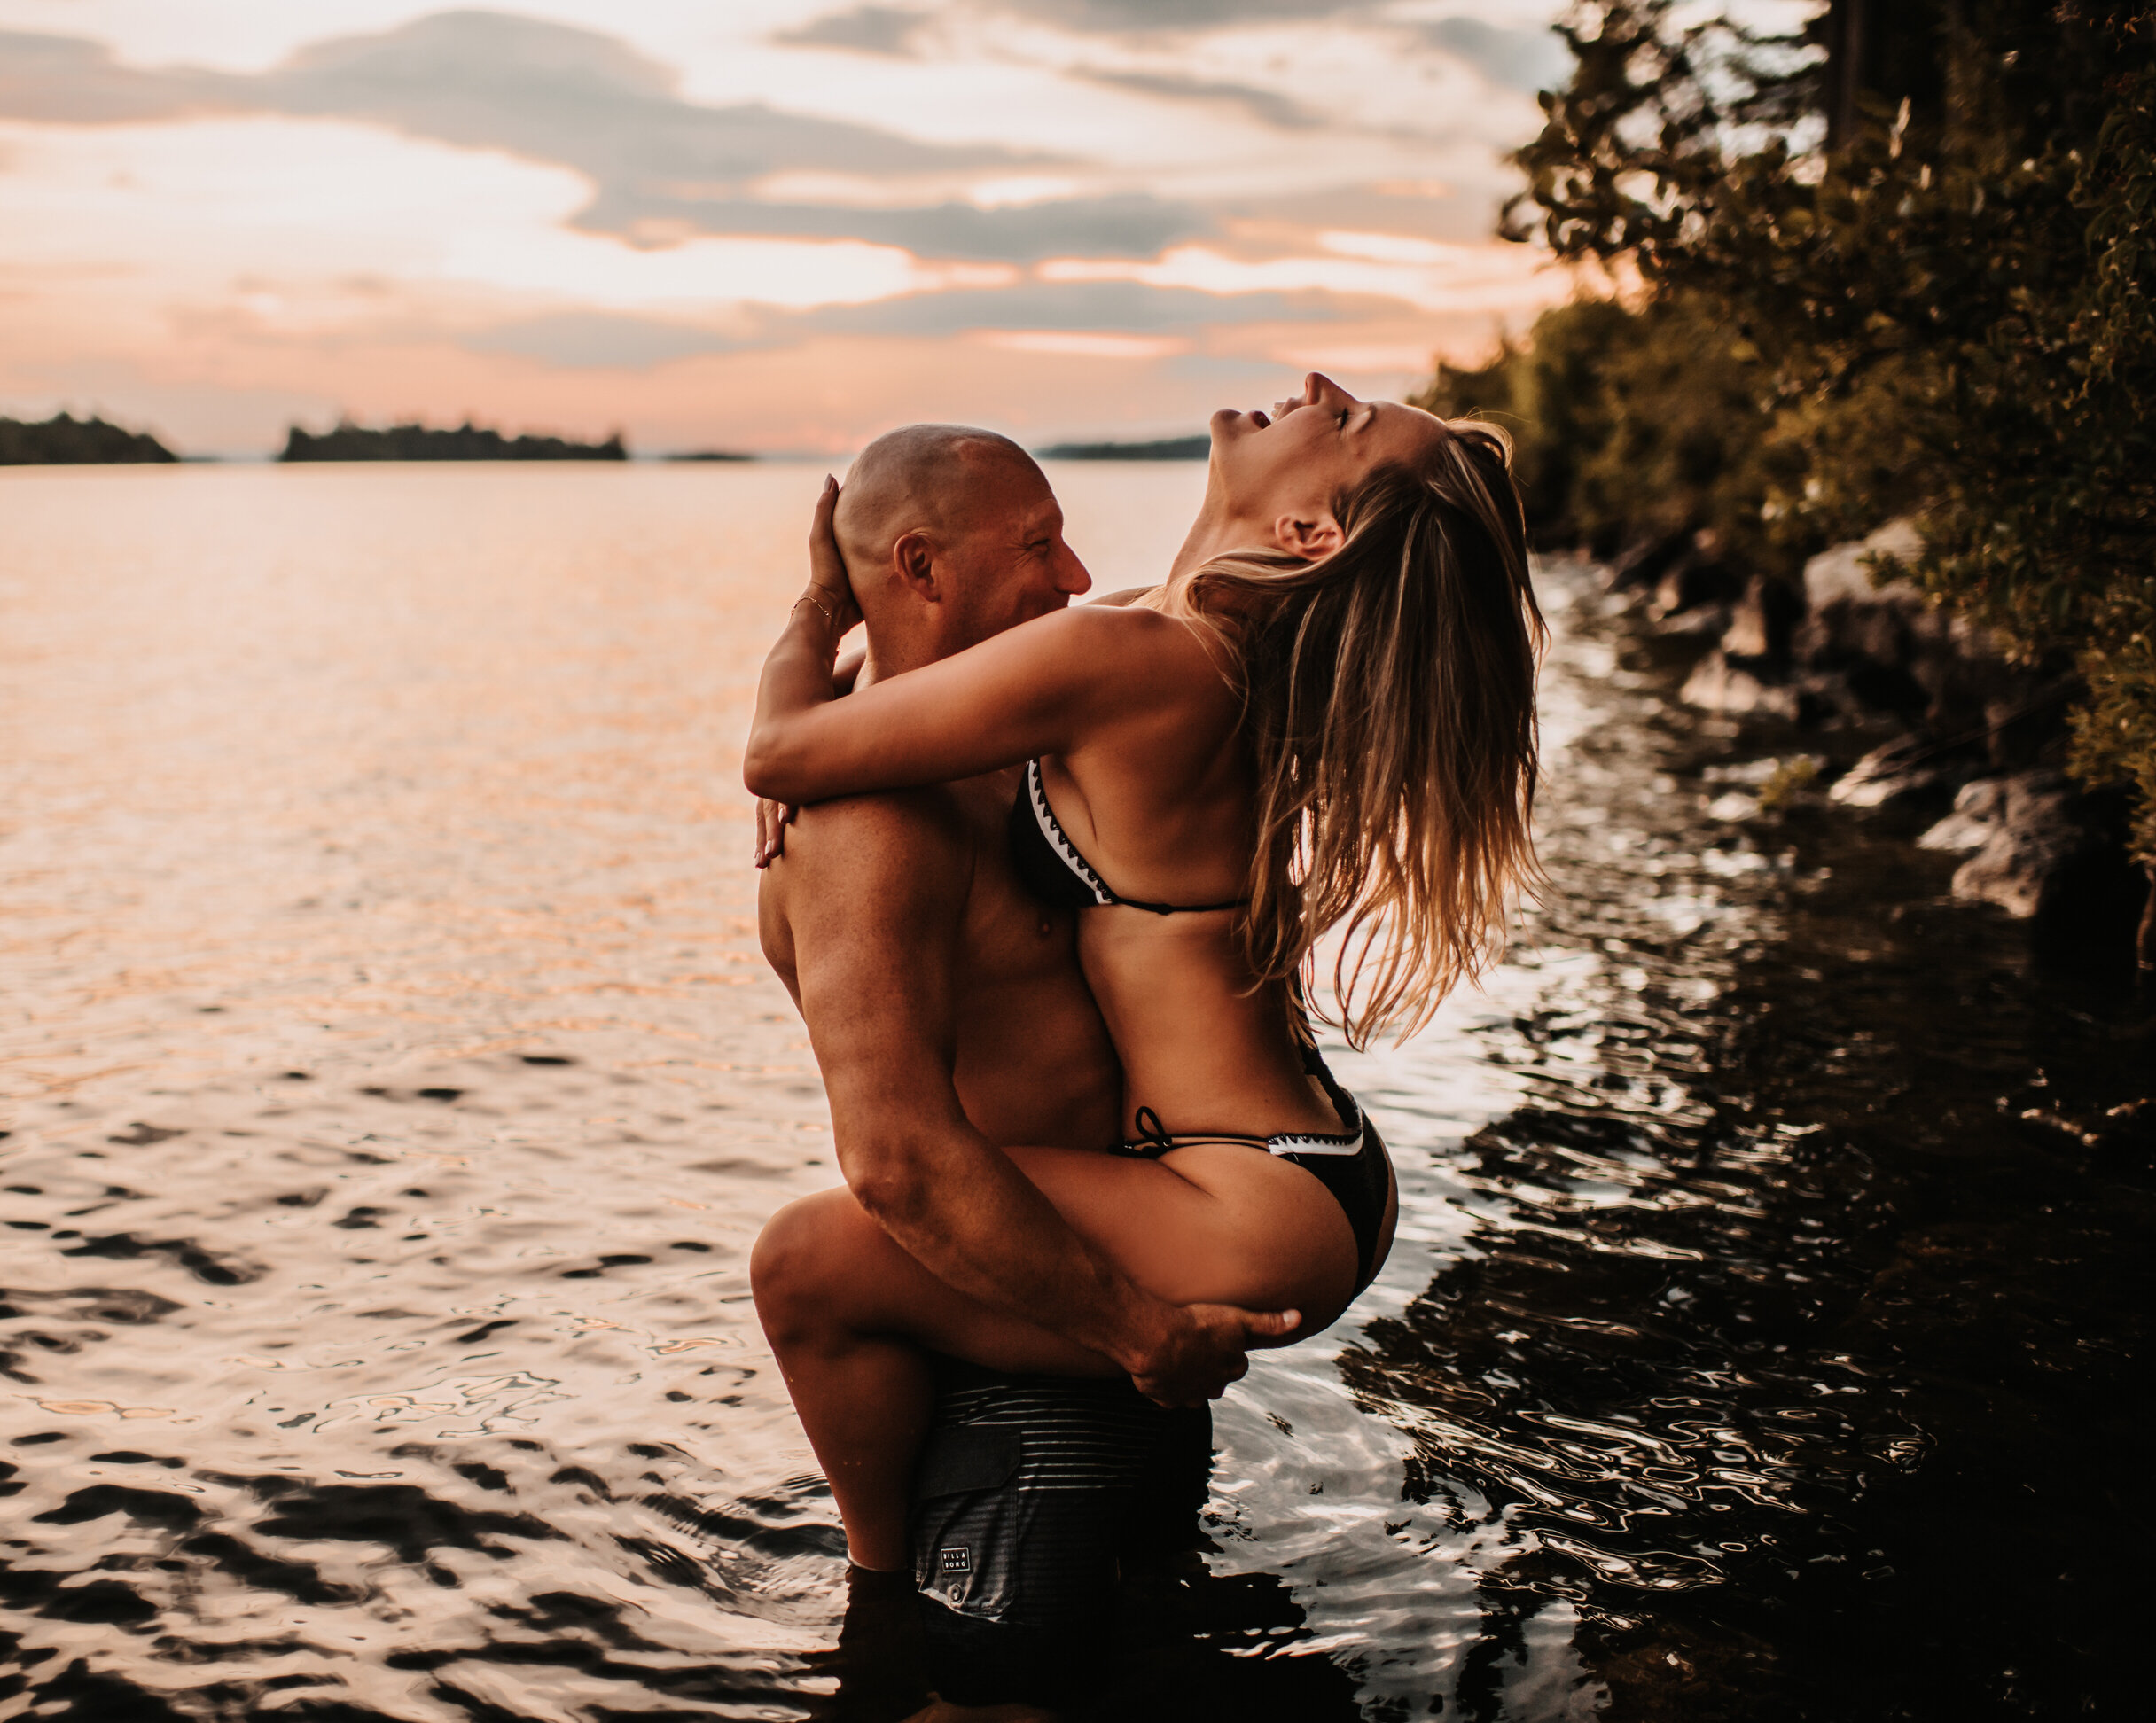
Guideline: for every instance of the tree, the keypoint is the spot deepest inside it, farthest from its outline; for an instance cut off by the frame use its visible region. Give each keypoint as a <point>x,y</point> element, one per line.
<point>1925,229</point>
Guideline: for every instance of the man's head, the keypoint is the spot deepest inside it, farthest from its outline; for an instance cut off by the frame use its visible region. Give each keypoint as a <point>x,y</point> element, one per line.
<point>951,535</point>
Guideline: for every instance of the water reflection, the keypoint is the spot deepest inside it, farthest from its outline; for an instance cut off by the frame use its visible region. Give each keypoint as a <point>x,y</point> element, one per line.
<point>1781,1353</point>
<point>393,1089</point>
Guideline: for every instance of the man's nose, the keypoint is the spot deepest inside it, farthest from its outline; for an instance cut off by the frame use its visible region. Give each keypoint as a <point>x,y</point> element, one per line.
<point>1071,575</point>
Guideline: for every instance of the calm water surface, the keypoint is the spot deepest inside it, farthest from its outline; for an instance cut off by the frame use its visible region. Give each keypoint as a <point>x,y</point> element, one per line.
<point>393,1089</point>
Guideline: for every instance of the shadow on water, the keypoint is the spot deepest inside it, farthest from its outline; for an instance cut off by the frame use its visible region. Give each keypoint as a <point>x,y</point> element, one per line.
<point>1804,1348</point>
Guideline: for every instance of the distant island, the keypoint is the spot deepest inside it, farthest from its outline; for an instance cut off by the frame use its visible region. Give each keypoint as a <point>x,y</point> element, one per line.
<point>65,440</point>
<point>1168,448</point>
<point>709,454</point>
<point>418,442</point>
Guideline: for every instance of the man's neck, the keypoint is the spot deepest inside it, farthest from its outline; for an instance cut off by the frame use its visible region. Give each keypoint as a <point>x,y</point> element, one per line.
<point>892,652</point>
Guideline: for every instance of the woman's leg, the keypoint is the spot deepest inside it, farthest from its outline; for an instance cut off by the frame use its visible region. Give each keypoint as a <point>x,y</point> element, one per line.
<point>847,1310</point>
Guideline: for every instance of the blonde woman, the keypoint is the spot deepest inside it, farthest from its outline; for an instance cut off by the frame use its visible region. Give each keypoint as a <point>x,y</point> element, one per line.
<point>1324,719</point>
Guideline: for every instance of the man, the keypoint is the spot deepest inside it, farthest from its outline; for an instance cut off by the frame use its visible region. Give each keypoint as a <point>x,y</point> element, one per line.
<point>946,1009</point>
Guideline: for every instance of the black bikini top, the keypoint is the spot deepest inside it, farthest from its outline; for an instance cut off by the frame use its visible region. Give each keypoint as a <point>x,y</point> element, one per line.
<point>1050,867</point>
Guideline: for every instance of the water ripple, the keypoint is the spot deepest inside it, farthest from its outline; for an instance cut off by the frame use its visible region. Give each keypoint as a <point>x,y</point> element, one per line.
<point>394,1088</point>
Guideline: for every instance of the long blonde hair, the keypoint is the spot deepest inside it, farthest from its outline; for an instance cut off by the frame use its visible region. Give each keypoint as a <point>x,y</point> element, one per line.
<point>1389,704</point>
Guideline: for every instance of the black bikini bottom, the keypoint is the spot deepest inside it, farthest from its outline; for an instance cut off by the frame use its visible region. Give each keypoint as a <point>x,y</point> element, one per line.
<point>1351,1163</point>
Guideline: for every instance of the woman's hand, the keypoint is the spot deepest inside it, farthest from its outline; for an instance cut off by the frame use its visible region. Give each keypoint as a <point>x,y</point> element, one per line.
<point>828,588</point>
<point>772,819</point>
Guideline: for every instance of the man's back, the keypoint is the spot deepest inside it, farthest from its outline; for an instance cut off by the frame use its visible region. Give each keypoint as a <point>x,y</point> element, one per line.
<point>911,895</point>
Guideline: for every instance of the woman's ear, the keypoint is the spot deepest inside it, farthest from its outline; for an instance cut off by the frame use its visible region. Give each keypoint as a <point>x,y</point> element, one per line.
<point>1309,538</point>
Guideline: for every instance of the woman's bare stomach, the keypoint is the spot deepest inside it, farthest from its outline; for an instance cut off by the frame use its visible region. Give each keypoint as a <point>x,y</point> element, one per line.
<point>1200,1048</point>
<point>1202,1053</point>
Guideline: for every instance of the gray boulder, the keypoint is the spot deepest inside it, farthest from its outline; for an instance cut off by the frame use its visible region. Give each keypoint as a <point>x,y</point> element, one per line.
<point>2034,836</point>
<point>1905,770</point>
<point>1839,576</point>
<point>1978,810</point>
<point>1749,671</point>
<point>1761,622</point>
<point>1721,683</point>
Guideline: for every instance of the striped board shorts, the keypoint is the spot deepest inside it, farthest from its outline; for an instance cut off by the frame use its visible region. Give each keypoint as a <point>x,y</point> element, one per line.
<point>1028,1495</point>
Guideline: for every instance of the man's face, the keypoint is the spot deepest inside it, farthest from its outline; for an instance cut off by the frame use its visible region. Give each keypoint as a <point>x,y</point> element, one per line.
<point>1005,562</point>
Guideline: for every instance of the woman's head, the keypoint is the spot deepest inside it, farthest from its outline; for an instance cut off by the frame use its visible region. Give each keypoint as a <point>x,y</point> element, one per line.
<point>1390,683</point>
<point>1275,478</point>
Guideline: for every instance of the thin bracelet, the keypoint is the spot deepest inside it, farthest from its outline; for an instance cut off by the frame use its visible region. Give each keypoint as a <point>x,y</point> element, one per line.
<point>829,622</point>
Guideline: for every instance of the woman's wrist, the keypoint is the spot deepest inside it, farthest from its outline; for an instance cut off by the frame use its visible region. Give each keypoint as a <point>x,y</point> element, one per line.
<point>826,604</point>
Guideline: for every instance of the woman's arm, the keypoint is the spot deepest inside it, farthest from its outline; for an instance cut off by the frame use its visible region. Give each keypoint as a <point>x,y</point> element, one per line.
<point>847,672</point>
<point>1043,687</point>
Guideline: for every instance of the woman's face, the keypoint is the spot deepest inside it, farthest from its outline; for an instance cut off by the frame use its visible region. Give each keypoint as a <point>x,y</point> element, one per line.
<point>1294,460</point>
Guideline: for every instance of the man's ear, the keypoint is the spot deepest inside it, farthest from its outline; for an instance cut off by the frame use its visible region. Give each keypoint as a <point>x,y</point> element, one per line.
<point>1309,538</point>
<point>914,560</point>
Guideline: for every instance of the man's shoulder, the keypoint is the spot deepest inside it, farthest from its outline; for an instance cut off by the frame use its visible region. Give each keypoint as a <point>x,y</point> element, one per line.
<point>920,835</point>
<point>928,814</point>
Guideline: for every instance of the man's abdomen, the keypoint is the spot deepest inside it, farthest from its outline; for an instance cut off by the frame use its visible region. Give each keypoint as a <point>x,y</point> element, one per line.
<point>1035,1065</point>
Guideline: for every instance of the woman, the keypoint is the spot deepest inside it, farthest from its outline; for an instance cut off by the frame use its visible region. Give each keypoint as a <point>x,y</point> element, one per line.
<point>1324,719</point>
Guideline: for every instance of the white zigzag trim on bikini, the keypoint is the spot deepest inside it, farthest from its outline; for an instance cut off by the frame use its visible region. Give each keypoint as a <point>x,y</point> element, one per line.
<point>1036,794</point>
<point>1316,1145</point>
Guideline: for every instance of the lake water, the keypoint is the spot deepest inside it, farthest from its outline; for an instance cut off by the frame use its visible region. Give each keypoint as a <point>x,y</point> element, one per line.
<point>393,1089</point>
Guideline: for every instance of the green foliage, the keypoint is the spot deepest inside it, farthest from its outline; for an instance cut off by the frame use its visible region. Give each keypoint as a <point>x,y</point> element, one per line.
<point>418,442</point>
<point>1195,448</point>
<point>1950,311</point>
<point>1629,424</point>
<point>1789,779</point>
<point>65,440</point>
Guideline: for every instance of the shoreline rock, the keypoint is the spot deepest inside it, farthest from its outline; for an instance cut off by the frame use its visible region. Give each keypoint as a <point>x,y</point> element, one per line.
<point>2039,847</point>
<point>1982,742</point>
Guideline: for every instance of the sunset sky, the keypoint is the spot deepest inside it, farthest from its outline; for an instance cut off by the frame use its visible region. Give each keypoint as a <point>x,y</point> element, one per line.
<point>777,225</point>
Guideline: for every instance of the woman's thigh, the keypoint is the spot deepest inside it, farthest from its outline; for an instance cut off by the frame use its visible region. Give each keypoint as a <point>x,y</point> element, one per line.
<point>1208,1224</point>
<point>1233,1231</point>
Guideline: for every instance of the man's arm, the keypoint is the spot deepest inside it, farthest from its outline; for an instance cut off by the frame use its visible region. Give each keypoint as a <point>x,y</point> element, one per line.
<point>874,892</point>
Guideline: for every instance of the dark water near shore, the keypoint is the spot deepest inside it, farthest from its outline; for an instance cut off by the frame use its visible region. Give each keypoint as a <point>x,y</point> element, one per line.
<point>393,1089</point>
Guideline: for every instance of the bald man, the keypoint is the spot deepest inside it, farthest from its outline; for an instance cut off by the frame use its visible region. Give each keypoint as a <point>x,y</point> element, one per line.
<point>946,1006</point>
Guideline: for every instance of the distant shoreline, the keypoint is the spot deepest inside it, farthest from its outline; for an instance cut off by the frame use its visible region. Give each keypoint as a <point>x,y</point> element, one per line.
<point>1164,448</point>
<point>418,442</point>
<point>64,440</point>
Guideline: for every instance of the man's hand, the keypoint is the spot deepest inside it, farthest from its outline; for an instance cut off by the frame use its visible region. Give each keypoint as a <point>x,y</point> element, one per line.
<point>829,588</point>
<point>1205,1347</point>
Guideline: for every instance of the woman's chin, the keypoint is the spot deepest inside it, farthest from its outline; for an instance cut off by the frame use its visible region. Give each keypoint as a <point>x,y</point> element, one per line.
<point>1231,424</point>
